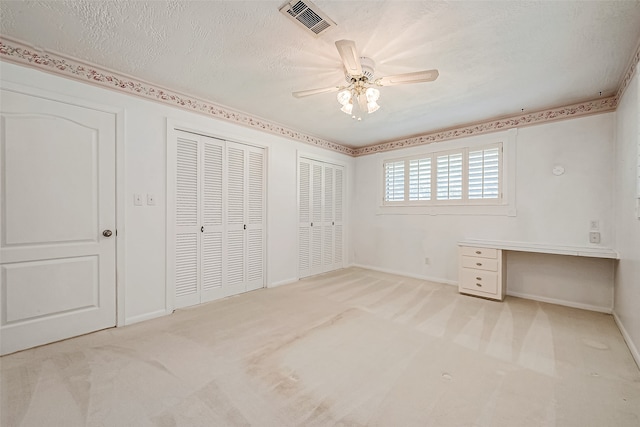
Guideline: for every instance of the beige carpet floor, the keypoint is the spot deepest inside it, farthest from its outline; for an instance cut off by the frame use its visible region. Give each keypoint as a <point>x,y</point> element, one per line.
<point>348,348</point>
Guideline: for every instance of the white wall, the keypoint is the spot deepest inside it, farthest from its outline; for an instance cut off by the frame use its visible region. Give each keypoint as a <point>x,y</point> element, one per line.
<point>145,172</point>
<point>549,209</point>
<point>627,282</point>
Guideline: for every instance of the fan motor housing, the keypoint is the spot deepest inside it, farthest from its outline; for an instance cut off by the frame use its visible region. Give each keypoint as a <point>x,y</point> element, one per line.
<point>368,67</point>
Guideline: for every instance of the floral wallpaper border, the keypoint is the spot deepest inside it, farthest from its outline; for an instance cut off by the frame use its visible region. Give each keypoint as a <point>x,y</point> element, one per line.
<point>18,52</point>
<point>576,110</point>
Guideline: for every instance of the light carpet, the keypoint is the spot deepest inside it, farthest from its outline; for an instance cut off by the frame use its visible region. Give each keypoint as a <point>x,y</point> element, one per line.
<point>349,348</point>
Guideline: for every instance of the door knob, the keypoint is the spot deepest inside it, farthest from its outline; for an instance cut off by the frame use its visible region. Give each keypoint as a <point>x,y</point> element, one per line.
<point>107,233</point>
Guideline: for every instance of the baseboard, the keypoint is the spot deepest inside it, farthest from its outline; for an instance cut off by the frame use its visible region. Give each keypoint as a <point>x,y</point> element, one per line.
<point>282,282</point>
<point>566,303</point>
<point>404,273</point>
<point>627,338</point>
<point>146,316</point>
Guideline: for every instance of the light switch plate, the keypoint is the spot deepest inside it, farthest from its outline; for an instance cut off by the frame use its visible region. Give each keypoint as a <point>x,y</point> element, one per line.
<point>137,199</point>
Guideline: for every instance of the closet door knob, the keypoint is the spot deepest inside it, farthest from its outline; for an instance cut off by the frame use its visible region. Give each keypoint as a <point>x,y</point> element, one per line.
<point>107,233</point>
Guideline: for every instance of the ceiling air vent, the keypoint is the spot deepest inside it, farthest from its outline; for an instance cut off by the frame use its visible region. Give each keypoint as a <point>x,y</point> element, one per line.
<point>307,15</point>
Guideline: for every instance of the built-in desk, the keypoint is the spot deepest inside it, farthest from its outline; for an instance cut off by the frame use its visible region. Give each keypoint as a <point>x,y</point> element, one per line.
<point>482,268</point>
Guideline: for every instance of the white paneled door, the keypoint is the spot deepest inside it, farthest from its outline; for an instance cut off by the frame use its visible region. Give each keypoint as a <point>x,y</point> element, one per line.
<point>217,246</point>
<point>57,225</point>
<point>320,210</point>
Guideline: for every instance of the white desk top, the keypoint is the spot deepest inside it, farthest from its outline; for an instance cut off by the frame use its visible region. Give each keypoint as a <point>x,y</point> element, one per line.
<point>593,252</point>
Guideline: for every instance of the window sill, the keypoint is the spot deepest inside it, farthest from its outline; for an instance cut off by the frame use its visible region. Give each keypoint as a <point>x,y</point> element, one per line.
<point>494,210</point>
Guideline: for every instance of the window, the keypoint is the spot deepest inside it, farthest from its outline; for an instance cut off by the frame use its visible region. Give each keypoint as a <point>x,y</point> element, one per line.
<point>394,181</point>
<point>463,176</point>
<point>419,179</point>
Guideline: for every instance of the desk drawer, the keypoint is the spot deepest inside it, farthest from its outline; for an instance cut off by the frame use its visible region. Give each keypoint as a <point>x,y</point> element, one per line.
<point>479,281</point>
<point>479,252</point>
<point>480,263</point>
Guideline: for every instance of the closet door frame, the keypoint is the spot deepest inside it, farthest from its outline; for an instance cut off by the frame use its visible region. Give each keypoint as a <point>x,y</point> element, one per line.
<point>172,129</point>
<point>311,158</point>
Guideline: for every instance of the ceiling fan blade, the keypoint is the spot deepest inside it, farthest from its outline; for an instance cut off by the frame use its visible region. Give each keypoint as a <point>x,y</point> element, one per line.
<point>303,93</point>
<point>350,57</point>
<point>416,77</point>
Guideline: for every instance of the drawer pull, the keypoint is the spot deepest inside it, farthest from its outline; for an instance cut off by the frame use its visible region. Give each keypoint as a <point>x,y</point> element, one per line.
<point>478,252</point>
<point>478,264</point>
<point>478,284</point>
<point>478,278</point>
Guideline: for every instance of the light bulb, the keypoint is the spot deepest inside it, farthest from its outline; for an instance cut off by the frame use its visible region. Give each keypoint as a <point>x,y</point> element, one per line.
<point>344,96</point>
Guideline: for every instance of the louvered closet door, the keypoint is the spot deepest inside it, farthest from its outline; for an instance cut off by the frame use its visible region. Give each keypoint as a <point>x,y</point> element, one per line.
<point>187,227</point>
<point>255,218</point>
<point>328,241</point>
<point>304,217</point>
<point>235,227</point>
<point>212,235</point>
<point>316,218</point>
<point>337,221</point>
<point>320,209</point>
<point>245,218</point>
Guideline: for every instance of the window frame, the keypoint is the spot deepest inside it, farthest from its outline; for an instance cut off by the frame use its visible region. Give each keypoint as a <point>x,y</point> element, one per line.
<point>433,156</point>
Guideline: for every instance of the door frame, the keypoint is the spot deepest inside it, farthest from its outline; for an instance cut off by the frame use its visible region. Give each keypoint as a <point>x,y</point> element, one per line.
<point>120,235</point>
<point>173,126</point>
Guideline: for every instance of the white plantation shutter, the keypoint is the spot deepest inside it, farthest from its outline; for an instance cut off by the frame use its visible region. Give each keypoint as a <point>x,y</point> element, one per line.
<point>484,174</point>
<point>464,176</point>
<point>420,179</point>
<point>187,284</point>
<point>449,176</point>
<point>394,181</point>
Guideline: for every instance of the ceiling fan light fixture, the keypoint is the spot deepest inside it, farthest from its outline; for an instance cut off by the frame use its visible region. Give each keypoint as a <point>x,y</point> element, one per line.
<point>372,95</point>
<point>347,107</point>
<point>372,107</point>
<point>344,96</point>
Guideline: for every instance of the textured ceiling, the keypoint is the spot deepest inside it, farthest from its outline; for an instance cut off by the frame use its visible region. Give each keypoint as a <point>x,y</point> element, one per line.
<point>495,58</point>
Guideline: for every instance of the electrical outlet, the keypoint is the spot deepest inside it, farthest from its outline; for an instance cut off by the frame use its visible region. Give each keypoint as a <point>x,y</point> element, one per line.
<point>151,199</point>
<point>594,224</point>
<point>137,199</point>
<point>594,237</point>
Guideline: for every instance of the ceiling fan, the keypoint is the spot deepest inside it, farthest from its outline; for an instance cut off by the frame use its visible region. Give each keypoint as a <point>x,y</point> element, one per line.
<point>361,89</point>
